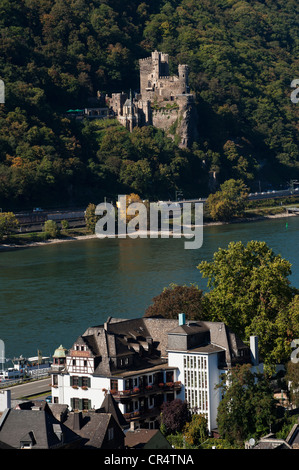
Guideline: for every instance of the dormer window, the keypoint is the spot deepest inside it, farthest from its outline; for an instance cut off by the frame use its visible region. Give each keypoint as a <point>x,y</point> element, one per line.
<point>123,362</point>
<point>27,441</point>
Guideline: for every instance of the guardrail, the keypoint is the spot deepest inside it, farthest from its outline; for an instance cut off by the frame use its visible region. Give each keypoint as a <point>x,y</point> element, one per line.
<point>36,374</point>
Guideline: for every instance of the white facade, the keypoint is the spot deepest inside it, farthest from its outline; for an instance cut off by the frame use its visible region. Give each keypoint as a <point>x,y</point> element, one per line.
<point>197,372</point>
<point>120,358</point>
<point>78,388</point>
<point>199,375</point>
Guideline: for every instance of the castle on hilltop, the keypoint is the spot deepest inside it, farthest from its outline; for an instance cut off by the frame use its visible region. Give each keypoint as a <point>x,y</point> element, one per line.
<point>163,101</point>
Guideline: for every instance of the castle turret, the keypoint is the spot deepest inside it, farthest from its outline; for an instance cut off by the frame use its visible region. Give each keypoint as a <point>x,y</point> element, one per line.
<point>151,106</point>
<point>184,76</point>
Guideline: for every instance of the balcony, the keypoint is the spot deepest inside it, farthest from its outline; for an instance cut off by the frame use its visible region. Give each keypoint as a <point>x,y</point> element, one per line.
<point>125,395</point>
<point>142,414</point>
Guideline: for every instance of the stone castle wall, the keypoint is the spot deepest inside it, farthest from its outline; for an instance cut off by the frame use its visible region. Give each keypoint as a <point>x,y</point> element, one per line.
<point>164,101</point>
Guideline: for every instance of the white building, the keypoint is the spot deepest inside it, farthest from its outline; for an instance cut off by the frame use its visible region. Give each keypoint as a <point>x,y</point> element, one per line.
<point>144,362</point>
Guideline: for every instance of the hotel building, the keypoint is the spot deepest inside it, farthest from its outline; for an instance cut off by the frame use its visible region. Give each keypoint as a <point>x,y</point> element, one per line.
<point>146,361</point>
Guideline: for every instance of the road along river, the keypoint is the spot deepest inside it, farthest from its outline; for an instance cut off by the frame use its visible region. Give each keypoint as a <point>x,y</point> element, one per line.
<point>51,294</point>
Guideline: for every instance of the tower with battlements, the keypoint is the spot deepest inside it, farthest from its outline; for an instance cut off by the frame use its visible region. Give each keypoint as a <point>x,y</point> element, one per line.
<point>163,101</point>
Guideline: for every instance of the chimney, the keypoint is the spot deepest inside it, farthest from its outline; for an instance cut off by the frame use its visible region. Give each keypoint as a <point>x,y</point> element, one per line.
<point>132,426</point>
<point>254,351</point>
<point>77,421</point>
<point>5,400</point>
<point>182,319</point>
<point>58,431</point>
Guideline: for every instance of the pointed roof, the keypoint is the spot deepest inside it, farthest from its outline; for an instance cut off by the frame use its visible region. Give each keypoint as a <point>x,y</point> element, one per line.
<point>109,405</point>
<point>60,352</point>
<point>36,427</point>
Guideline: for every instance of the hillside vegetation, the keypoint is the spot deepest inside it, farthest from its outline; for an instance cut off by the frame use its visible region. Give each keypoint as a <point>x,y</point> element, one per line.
<point>56,55</point>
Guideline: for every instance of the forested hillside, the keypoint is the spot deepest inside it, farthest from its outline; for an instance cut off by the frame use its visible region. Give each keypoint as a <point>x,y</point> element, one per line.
<point>56,54</point>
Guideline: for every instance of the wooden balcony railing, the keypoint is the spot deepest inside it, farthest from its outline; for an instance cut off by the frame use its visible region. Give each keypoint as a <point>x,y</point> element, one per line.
<point>148,389</point>
<point>143,413</point>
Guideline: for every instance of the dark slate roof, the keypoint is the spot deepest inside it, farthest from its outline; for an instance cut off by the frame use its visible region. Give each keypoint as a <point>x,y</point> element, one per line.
<point>109,405</point>
<point>91,427</point>
<point>189,328</point>
<point>272,444</point>
<point>146,340</point>
<point>36,426</point>
<point>140,438</point>
<point>293,437</point>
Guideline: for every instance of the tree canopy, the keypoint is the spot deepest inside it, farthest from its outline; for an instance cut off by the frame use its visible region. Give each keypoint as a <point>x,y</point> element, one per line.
<point>248,288</point>
<point>174,416</point>
<point>247,408</point>
<point>177,299</point>
<point>229,201</point>
<point>57,54</point>
<point>250,291</point>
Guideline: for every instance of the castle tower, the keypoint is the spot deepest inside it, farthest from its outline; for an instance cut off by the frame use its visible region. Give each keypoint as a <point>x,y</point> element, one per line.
<point>155,66</point>
<point>151,70</point>
<point>184,76</point>
<point>151,106</point>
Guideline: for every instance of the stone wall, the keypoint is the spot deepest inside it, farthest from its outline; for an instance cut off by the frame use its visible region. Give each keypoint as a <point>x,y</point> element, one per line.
<point>164,101</point>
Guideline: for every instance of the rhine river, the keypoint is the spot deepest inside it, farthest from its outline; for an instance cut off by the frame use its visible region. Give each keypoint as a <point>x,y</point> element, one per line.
<point>51,294</point>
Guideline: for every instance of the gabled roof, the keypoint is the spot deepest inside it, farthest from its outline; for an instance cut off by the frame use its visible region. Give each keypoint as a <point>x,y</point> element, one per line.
<point>109,405</point>
<point>146,439</point>
<point>146,340</point>
<point>92,427</point>
<point>293,436</point>
<point>37,427</point>
<point>271,442</point>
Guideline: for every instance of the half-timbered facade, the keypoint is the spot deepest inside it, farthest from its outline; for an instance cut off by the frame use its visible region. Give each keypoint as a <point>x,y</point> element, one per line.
<point>144,362</point>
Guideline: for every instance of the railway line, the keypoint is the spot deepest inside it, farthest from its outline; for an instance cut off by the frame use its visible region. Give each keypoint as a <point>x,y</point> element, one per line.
<point>34,220</point>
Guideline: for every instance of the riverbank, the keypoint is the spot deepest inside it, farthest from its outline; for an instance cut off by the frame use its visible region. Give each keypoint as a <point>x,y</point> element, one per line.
<point>25,244</point>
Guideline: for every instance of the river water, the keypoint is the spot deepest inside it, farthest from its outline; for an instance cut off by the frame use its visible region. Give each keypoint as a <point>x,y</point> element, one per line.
<point>51,294</point>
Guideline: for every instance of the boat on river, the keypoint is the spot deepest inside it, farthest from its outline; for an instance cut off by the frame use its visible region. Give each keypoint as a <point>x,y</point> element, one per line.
<point>24,367</point>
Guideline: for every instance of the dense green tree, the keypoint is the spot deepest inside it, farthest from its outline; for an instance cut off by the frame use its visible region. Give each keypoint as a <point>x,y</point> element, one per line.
<point>91,218</point>
<point>8,224</point>
<point>51,229</point>
<point>196,430</point>
<point>229,201</point>
<point>177,299</point>
<point>247,408</point>
<point>250,291</point>
<point>56,54</point>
